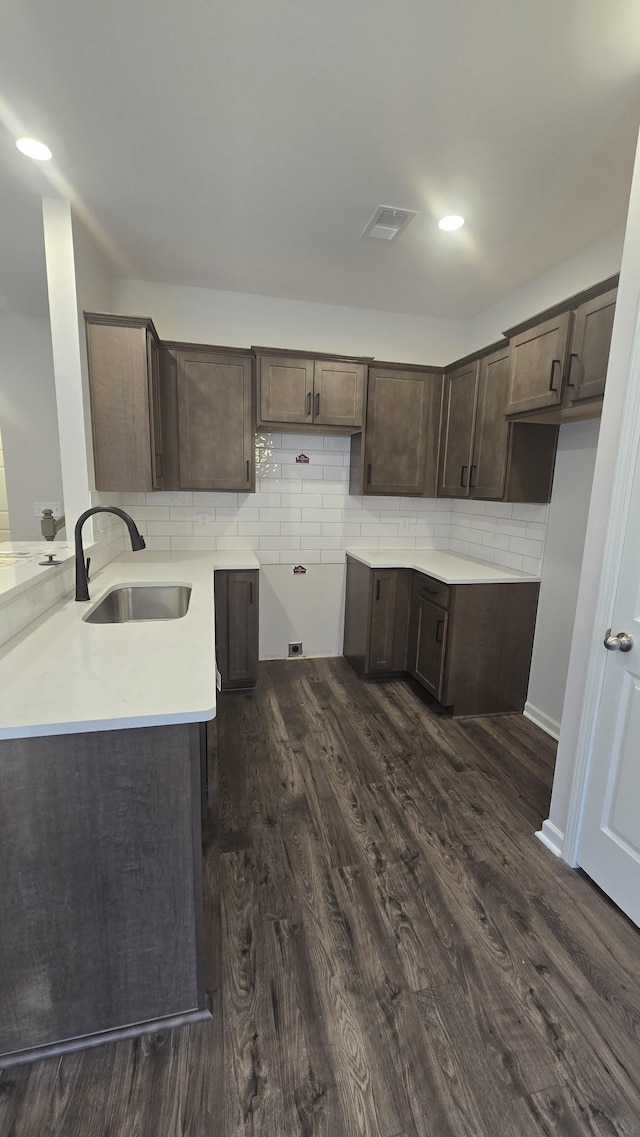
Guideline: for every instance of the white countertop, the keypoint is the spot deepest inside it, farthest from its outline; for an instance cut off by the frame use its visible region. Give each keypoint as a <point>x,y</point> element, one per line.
<point>447,567</point>
<point>20,567</point>
<point>62,675</point>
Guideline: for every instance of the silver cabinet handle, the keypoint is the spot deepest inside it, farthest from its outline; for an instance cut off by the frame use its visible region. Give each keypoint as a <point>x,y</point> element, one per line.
<point>622,642</point>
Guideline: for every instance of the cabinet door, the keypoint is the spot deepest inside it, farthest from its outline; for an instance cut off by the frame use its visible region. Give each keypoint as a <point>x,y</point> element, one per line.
<point>491,434</point>
<point>399,408</point>
<point>215,421</point>
<point>590,343</point>
<point>538,358</point>
<point>285,389</point>
<point>123,410</point>
<point>338,398</point>
<point>153,371</point>
<point>237,622</point>
<point>383,638</point>
<point>458,413</point>
<point>429,637</point>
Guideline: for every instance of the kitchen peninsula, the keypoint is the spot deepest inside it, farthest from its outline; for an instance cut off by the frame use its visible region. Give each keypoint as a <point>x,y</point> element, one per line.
<point>103,753</point>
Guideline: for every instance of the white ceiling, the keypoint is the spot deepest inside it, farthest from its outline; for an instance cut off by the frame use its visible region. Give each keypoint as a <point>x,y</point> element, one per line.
<point>244,144</point>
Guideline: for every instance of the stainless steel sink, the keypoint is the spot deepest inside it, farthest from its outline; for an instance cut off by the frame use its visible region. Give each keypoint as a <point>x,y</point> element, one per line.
<point>141,602</point>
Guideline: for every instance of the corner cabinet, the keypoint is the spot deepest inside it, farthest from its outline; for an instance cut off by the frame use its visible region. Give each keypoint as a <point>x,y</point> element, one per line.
<point>310,392</point>
<point>124,390</point>
<point>237,621</point>
<point>559,361</point>
<point>208,409</point>
<point>482,455</point>
<point>397,452</point>
<point>468,645</point>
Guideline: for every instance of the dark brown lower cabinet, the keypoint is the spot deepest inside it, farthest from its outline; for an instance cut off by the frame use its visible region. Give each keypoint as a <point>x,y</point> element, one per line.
<point>376,619</point>
<point>237,611</point>
<point>427,644</point>
<point>468,645</point>
<point>101,887</point>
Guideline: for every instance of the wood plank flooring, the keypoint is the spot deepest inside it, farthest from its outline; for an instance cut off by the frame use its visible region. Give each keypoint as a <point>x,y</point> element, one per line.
<point>391,952</point>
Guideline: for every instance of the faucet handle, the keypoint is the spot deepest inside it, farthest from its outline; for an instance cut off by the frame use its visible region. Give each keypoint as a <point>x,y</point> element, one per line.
<point>86,567</point>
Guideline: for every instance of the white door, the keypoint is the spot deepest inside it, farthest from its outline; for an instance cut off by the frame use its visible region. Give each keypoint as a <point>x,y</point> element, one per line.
<point>609,849</point>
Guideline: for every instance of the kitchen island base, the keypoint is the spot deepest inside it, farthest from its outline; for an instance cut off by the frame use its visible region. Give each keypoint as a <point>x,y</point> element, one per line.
<point>101,891</point>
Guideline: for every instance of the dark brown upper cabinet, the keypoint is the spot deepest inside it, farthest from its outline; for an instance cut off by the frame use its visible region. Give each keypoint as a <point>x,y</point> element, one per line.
<point>397,453</point>
<point>538,361</point>
<point>482,455</point>
<point>590,343</point>
<point>458,417</point>
<point>215,419</point>
<point>295,391</point>
<point>559,359</point>
<point>122,354</point>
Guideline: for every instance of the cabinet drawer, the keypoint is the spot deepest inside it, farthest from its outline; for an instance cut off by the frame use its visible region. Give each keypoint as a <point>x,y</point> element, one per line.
<point>426,588</point>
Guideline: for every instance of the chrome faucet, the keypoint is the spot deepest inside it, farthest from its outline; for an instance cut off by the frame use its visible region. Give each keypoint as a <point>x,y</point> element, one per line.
<point>82,567</point>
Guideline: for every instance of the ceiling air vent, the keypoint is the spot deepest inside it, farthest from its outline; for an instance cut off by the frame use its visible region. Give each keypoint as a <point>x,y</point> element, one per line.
<point>388,222</point>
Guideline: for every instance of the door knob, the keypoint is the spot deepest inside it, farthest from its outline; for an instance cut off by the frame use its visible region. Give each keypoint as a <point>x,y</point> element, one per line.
<point>622,642</point>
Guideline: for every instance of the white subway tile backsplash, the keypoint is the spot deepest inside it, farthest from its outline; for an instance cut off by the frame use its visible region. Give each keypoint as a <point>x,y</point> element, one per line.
<point>280,514</point>
<point>306,501</point>
<point>507,560</point>
<point>258,528</point>
<point>329,487</point>
<point>303,528</point>
<point>337,442</point>
<point>532,565</point>
<point>527,548</point>
<point>169,528</point>
<point>321,515</point>
<point>279,542</point>
<point>304,512</point>
<point>529,512</point>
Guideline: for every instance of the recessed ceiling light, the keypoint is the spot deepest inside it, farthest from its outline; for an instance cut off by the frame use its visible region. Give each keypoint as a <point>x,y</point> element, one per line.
<point>34,149</point>
<point>453,221</point>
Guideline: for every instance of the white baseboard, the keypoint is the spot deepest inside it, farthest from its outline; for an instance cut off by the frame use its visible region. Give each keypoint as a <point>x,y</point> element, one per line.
<point>552,837</point>
<point>545,722</point>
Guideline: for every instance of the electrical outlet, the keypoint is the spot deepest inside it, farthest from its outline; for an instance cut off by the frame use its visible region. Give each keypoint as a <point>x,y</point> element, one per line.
<point>404,526</point>
<point>202,520</point>
<point>40,506</point>
<point>295,649</point>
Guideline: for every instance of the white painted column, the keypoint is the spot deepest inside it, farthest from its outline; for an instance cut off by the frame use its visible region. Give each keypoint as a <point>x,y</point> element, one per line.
<point>67,357</point>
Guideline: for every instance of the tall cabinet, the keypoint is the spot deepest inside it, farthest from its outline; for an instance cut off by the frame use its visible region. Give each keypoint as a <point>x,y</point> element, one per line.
<point>124,388</point>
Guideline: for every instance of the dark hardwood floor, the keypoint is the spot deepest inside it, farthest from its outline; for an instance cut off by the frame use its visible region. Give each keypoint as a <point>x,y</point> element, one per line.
<point>392,953</point>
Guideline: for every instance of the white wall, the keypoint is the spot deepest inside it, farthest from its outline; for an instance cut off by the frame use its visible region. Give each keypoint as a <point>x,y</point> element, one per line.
<point>241,319</point>
<point>587,636</point>
<point>564,547</point>
<point>28,421</point>
<point>5,532</point>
